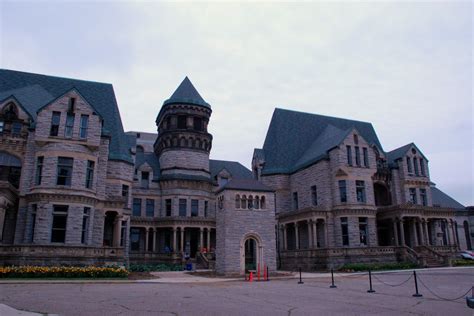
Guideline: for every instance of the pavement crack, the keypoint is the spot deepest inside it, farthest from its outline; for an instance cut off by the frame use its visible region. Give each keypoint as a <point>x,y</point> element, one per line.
<point>291,310</point>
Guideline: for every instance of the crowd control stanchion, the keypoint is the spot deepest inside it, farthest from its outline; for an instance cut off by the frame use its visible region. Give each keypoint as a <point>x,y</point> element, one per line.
<point>370,290</point>
<point>332,280</point>
<point>301,281</point>
<point>416,286</point>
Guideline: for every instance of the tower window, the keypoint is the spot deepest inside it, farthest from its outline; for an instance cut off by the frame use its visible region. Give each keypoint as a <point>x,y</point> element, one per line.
<point>198,126</point>
<point>349,155</point>
<point>182,121</point>
<point>357,150</point>
<point>55,119</point>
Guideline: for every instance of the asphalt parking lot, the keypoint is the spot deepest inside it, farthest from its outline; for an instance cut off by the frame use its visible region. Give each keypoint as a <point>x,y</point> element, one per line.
<point>393,296</point>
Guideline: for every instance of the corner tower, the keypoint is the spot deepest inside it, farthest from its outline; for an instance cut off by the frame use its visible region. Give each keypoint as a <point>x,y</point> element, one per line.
<point>183,144</point>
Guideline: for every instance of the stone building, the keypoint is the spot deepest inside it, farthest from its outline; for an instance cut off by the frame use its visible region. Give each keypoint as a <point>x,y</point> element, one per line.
<point>76,189</point>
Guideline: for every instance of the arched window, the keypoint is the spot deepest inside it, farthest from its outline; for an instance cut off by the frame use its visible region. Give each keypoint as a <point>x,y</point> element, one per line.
<point>237,201</point>
<point>198,143</point>
<point>182,142</point>
<point>250,202</point>
<point>168,142</point>
<point>191,142</point>
<point>257,202</point>
<point>175,142</point>
<point>262,202</point>
<point>243,202</point>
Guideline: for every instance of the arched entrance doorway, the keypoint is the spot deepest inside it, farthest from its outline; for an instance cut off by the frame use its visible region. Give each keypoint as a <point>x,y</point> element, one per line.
<point>381,194</point>
<point>251,251</point>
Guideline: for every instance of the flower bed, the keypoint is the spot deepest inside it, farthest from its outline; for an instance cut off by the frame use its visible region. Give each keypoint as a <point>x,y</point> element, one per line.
<point>62,272</point>
<point>155,267</point>
<point>463,262</point>
<point>356,267</point>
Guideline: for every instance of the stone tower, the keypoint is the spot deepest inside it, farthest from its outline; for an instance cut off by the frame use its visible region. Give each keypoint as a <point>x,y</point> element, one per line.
<point>183,142</point>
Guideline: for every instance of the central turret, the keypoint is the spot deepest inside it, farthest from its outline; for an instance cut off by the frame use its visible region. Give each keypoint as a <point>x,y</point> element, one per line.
<point>183,143</point>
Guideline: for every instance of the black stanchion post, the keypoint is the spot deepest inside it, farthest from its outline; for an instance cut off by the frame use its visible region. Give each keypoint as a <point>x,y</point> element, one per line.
<point>301,281</point>
<point>268,275</point>
<point>332,279</point>
<point>416,286</point>
<point>370,290</point>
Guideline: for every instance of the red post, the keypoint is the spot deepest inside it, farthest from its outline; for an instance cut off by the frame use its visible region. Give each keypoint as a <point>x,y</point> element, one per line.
<point>251,276</point>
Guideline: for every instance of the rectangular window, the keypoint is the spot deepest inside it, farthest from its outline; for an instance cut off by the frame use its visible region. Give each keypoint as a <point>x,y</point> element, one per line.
<point>366,157</point>
<point>168,207</point>
<point>423,198</point>
<point>415,164</point>
<point>314,195</point>
<point>64,171</point>
<point>206,208</point>
<point>349,155</point>
<point>84,126</point>
<point>55,120</point>
<point>197,121</point>
<point>342,190</point>
<point>137,207</point>
<point>150,207</point>
<point>69,125</point>
<point>363,230</point>
<point>123,233</point>
<point>357,150</point>
<point>39,170</point>
<point>85,224</point>
<point>182,122</point>
<point>89,174</point>
<point>295,200</point>
<point>16,128</point>
<point>410,170</point>
<point>360,191</point>
<point>422,167</point>
<point>145,179</point>
<point>345,231</point>
<point>34,208</point>
<point>182,207</point>
<point>125,190</point>
<point>413,195</point>
<point>194,208</point>
<point>58,230</point>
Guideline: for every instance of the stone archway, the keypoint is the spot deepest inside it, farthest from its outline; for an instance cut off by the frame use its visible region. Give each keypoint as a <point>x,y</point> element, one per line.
<point>251,253</point>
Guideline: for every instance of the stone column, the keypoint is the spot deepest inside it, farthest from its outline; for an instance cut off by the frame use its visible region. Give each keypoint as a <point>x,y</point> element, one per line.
<point>297,237</point>
<point>285,238</point>
<point>395,232</point>
<point>175,237</point>
<point>315,233</point>
<point>181,241</point>
<point>414,234</point>
<point>209,239</point>
<point>117,231</point>
<point>446,232</point>
<point>427,232</point>
<point>421,238</point>
<point>310,234</point>
<point>402,232</point>
<point>154,230</point>
<point>147,235</point>
<point>456,241</point>
<point>201,239</point>
<point>451,233</point>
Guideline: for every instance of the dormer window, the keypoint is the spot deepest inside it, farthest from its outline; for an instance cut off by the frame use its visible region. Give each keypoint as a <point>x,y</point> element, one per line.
<point>415,164</point>
<point>16,128</point>
<point>422,167</point>
<point>84,126</point>
<point>69,125</point>
<point>356,139</point>
<point>72,103</point>
<point>55,119</point>
<point>222,181</point>
<point>410,169</point>
<point>145,178</point>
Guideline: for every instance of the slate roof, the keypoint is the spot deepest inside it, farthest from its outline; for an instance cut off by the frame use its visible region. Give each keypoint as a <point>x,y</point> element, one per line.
<point>236,169</point>
<point>401,152</point>
<point>34,91</point>
<point>186,93</point>
<point>441,199</point>
<point>245,185</point>
<point>150,159</point>
<point>296,139</point>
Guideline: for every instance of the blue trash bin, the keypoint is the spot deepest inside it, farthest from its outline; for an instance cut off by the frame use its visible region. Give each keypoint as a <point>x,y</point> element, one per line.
<point>189,266</point>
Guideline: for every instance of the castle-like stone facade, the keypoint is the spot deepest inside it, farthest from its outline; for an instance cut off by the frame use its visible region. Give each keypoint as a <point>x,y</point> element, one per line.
<point>76,189</point>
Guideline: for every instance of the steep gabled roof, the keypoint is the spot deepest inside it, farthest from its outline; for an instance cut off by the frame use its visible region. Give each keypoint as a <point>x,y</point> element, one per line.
<point>400,152</point>
<point>441,199</point>
<point>296,138</point>
<point>246,185</point>
<point>236,169</point>
<point>36,90</point>
<point>186,93</point>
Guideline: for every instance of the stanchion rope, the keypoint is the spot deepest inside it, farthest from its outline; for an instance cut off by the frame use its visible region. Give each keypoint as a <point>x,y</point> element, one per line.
<point>440,297</point>
<point>392,285</point>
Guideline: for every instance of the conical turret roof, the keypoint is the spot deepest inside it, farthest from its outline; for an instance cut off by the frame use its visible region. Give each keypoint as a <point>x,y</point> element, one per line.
<point>186,93</point>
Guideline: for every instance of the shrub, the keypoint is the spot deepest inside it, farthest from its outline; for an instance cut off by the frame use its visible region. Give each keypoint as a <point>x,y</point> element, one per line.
<point>155,267</point>
<point>355,267</point>
<point>463,262</point>
<point>62,272</point>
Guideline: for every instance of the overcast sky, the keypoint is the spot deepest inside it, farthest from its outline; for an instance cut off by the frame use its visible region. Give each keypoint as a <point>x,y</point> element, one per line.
<point>405,67</point>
